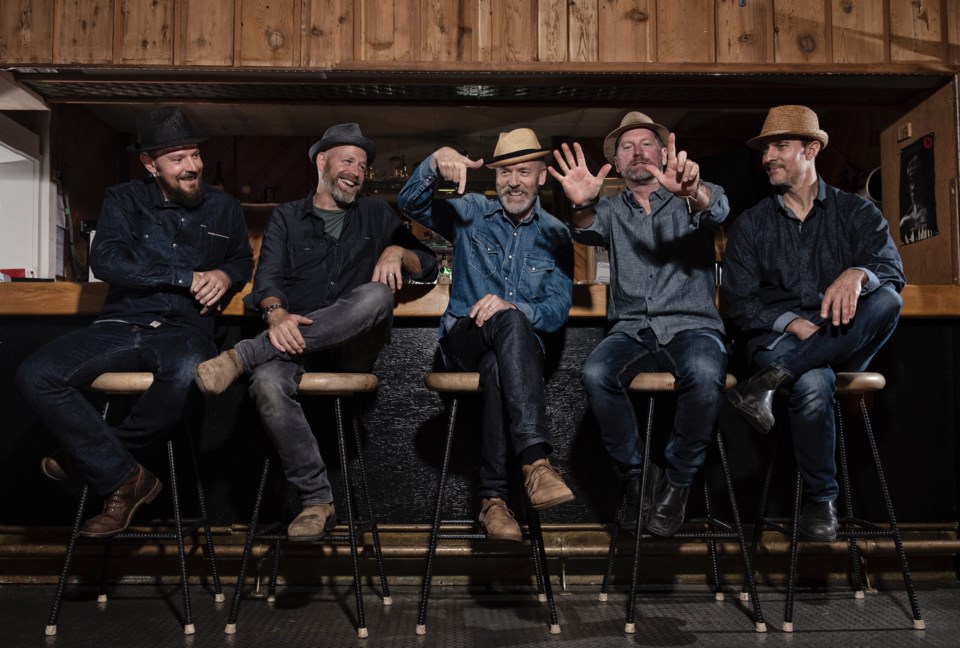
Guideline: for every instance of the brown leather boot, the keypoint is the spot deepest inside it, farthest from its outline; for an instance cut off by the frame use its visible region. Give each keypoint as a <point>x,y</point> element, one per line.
<point>545,487</point>
<point>58,467</point>
<point>313,523</point>
<point>214,376</point>
<point>497,520</point>
<point>118,509</point>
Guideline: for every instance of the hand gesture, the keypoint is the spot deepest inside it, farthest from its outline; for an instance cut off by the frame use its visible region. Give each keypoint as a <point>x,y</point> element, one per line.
<point>579,185</point>
<point>453,166</point>
<point>840,299</point>
<point>681,176</point>
<point>387,270</point>
<point>208,288</point>
<point>284,332</point>
<point>486,307</point>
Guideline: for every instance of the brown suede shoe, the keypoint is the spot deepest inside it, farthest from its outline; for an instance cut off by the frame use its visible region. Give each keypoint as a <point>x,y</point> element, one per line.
<point>214,376</point>
<point>545,487</point>
<point>59,467</point>
<point>118,509</point>
<point>497,520</point>
<point>313,523</point>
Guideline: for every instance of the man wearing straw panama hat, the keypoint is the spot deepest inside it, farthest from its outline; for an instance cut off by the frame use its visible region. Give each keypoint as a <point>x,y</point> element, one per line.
<point>512,283</point>
<point>659,233</point>
<point>812,279</point>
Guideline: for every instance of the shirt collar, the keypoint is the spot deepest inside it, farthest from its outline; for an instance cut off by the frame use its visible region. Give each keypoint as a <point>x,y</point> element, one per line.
<point>818,201</point>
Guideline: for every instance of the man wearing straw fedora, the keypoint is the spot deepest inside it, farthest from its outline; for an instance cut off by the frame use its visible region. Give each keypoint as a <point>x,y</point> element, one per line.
<point>811,277</point>
<point>659,233</point>
<point>173,251</point>
<point>512,283</point>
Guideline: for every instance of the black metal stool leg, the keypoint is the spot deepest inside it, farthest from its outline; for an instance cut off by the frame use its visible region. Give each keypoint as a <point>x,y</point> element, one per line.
<point>630,626</point>
<point>712,542</point>
<point>540,565</point>
<point>274,571</point>
<point>612,550</point>
<point>351,520</point>
<point>188,627</point>
<point>438,511</point>
<point>794,541</point>
<point>761,519</point>
<point>218,595</point>
<point>231,627</point>
<point>51,629</point>
<point>848,500</point>
<point>105,569</point>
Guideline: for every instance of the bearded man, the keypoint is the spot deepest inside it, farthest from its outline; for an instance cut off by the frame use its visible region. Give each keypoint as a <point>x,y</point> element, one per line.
<point>659,233</point>
<point>329,266</point>
<point>173,251</point>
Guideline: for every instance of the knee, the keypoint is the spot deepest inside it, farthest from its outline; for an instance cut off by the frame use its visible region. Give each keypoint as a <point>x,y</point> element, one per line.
<point>269,392</point>
<point>375,299</point>
<point>33,376</point>
<point>885,303</point>
<point>595,375</point>
<point>815,388</point>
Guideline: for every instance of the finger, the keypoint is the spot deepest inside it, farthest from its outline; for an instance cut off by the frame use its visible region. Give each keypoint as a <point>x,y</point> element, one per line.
<point>474,164</point>
<point>581,159</point>
<point>562,158</point>
<point>604,170</point>
<point>681,162</point>
<point>671,147</point>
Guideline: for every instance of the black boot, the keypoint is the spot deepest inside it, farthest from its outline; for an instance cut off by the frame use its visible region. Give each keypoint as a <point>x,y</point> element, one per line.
<point>632,486</point>
<point>753,399</point>
<point>818,521</point>
<point>666,516</point>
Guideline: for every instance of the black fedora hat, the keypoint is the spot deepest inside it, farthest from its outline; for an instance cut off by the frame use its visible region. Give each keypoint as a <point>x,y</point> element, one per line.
<point>164,127</point>
<point>343,135</point>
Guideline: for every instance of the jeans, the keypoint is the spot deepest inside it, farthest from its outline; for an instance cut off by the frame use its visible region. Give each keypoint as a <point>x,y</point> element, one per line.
<point>507,353</point>
<point>698,360</point>
<point>812,395</point>
<point>351,333</point>
<point>52,378</point>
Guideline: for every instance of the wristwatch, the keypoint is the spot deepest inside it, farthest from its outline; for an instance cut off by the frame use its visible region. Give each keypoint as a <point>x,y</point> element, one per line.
<point>269,309</point>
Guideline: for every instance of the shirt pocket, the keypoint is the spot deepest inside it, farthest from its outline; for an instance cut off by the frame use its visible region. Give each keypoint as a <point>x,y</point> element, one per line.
<point>213,246</point>
<point>535,277</point>
<point>484,254</point>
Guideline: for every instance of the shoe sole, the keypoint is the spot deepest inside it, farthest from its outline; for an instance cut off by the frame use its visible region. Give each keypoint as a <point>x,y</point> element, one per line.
<point>330,526</point>
<point>810,538</point>
<point>504,538</point>
<point>62,477</point>
<point>557,501</point>
<point>152,495</point>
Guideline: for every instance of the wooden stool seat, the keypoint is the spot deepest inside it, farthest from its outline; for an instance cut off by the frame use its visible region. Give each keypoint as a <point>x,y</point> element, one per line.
<point>337,384</point>
<point>122,382</point>
<point>853,382</point>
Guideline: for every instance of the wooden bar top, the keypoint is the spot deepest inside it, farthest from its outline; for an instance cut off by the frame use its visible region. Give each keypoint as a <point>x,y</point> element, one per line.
<point>423,300</point>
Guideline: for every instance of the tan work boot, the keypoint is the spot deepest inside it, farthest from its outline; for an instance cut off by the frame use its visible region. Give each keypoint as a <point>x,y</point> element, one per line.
<point>118,509</point>
<point>313,523</point>
<point>497,520</point>
<point>545,487</point>
<point>214,376</point>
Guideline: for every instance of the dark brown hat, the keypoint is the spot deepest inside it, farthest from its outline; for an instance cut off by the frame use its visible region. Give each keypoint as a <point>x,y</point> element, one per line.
<point>343,135</point>
<point>164,127</point>
<point>798,121</point>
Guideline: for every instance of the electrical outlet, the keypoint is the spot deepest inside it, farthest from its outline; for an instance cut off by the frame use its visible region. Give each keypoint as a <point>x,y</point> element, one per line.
<point>905,132</point>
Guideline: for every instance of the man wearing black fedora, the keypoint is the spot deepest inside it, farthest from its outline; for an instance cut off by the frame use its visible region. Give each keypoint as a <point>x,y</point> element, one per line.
<point>811,278</point>
<point>173,251</point>
<point>329,266</point>
<point>512,284</point>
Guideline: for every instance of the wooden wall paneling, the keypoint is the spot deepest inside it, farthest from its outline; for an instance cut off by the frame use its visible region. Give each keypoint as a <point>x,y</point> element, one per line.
<point>389,30</point>
<point>328,32</point>
<point>686,32</point>
<point>628,30</point>
<point>513,31</point>
<point>744,34</point>
<point>484,26</point>
<point>952,20</point>
<point>26,31</point>
<point>267,33</point>
<point>86,31</point>
<point>146,32</point>
<point>915,30</point>
<point>205,32</point>
<point>858,35</point>
<point>449,30</point>
<point>558,32</point>
<point>800,31</point>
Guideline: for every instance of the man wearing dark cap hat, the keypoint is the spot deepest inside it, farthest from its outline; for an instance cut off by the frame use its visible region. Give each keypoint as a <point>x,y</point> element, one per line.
<point>329,266</point>
<point>173,251</point>
<point>512,284</point>
<point>659,234</point>
<point>811,278</point>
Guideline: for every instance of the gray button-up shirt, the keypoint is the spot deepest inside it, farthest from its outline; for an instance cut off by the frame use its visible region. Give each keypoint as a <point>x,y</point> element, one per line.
<point>662,263</point>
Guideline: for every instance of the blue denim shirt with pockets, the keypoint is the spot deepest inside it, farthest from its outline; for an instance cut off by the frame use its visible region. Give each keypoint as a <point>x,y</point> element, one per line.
<point>529,264</point>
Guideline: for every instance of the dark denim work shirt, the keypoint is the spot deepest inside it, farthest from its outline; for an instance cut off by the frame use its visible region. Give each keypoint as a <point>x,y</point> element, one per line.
<point>148,248</point>
<point>662,264</point>
<point>307,269</point>
<point>777,267</point>
<point>529,264</point>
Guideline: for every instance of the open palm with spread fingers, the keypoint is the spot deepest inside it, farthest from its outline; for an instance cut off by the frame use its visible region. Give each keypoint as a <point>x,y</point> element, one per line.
<point>579,185</point>
<point>680,176</point>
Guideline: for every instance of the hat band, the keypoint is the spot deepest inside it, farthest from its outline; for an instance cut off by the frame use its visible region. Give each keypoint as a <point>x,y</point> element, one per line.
<point>513,154</point>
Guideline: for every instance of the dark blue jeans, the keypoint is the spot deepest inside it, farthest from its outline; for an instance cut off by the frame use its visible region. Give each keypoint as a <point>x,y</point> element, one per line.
<point>52,378</point>
<point>346,336</point>
<point>698,361</point>
<point>812,395</point>
<point>507,353</point>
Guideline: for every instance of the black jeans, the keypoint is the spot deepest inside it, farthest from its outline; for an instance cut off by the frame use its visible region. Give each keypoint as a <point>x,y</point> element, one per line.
<point>507,353</point>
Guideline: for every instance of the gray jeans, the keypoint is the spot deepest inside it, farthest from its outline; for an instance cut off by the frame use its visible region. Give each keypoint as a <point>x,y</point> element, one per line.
<point>346,336</point>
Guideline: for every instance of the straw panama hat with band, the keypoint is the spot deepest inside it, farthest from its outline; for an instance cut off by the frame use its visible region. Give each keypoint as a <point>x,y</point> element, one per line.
<point>519,145</point>
<point>630,121</point>
<point>798,121</point>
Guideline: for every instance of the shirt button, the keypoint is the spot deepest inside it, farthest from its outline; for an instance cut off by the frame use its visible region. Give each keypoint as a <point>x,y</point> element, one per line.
<point>180,281</point>
<point>516,233</point>
<point>509,256</point>
<point>333,283</point>
<point>510,293</point>
<point>174,245</point>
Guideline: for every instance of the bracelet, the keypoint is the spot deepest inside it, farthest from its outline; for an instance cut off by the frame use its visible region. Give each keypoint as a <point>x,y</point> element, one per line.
<point>265,315</point>
<point>692,194</point>
<point>586,205</point>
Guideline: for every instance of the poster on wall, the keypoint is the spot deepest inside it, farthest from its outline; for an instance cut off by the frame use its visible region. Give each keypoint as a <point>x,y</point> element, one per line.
<point>918,206</point>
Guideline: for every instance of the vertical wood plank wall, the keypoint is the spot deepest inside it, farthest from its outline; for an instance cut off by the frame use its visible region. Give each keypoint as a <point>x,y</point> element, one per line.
<point>385,34</point>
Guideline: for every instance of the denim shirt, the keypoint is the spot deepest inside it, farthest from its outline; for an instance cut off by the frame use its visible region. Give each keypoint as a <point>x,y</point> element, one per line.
<point>776,267</point>
<point>662,264</point>
<point>529,264</point>
<point>148,248</point>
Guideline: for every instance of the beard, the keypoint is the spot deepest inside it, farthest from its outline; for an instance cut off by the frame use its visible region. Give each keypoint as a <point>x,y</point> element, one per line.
<point>636,173</point>
<point>183,197</point>
<point>343,197</point>
<point>516,205</point>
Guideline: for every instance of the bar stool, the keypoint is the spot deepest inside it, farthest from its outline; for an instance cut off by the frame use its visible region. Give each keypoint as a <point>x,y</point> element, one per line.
<point>128,384</point>
<point>855,384</point>
<point>658,383</point>
<point>337,385</point>
<point>468,382</point>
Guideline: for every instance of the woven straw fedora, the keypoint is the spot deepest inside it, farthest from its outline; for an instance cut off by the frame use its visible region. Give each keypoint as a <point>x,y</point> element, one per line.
<point>519,145</point>
<point>630,121</point>
<point>790,120</point>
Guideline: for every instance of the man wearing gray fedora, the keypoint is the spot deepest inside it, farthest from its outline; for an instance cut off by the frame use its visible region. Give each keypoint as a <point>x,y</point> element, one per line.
<point>512,284</point>
<point>659,233</point>
<point>173,251</point>
<point>329,266</point>
<point>811,278</point>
